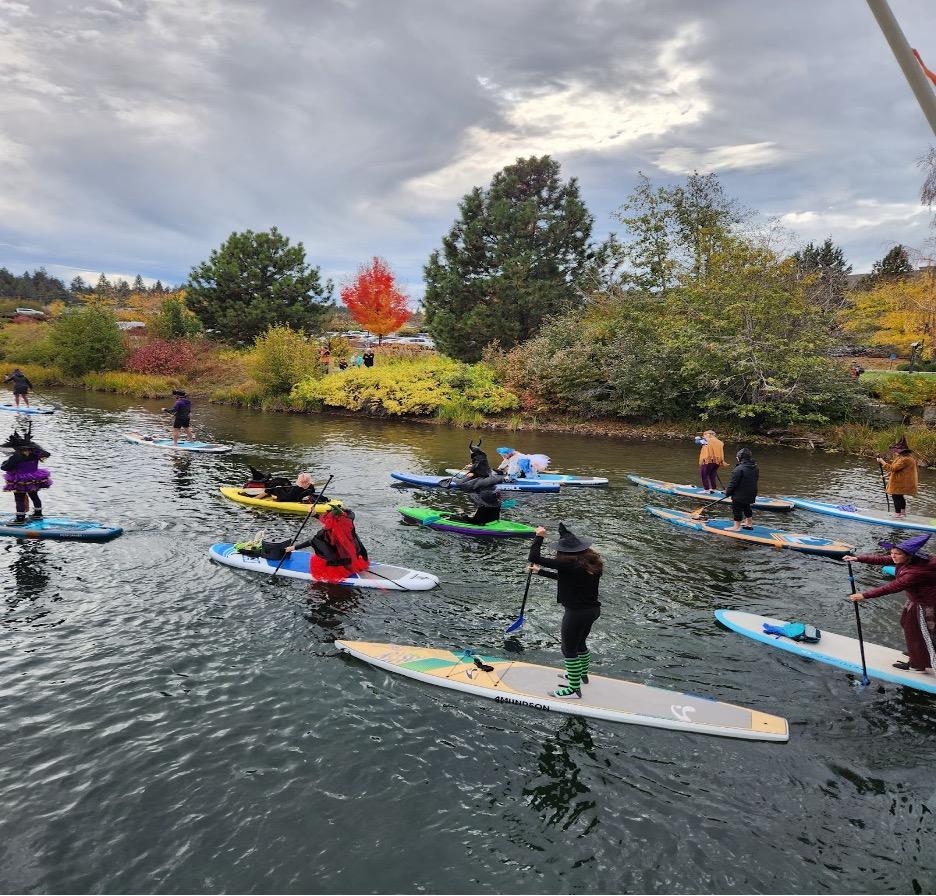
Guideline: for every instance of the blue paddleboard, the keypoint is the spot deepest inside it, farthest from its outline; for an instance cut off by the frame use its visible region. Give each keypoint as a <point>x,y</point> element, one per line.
<point>58,528</point>
<point>447,482</point>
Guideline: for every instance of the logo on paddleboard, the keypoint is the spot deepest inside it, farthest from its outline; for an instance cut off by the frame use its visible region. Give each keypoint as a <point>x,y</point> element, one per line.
<point>502,699</point>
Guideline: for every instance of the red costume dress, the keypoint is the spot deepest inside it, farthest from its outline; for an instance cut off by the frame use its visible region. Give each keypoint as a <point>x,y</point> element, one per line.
<point>338,552</point>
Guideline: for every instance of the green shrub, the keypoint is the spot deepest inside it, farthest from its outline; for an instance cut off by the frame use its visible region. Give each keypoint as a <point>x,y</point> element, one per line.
<point>175,321</point>
<point>905,390</point>
<point>86,340</point>
<point>281,357</point>
<point>26,342</point>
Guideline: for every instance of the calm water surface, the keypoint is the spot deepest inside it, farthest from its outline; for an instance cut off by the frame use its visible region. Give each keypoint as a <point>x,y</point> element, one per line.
<point>174,726</point>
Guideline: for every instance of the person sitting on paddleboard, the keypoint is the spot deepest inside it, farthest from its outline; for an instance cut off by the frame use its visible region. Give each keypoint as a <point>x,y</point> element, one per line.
<point>916,575</point>
<point>902,475</point>
<point>516,465</point>
<point>337,550</point>
<point>488,502</point>
<point>711,457</point>
<point>577,570</point>
<point>300,492</point>
<point>742,489</point>
<point>182,419</point>
<point>21,386</point>
<point>23,476</point>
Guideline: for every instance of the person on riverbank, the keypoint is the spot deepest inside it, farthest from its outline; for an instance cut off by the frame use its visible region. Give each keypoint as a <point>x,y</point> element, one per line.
<point>23,476</point>
<point>337,550</point>
<point>368,357</point>
<point>916,576</point>
<point>182,416</point>
<point>902,477</point>
<point>577,570</point>
<point>711,458</point>
<point>302,491</point>
<point>488,503</point>
<point>742,489</point>
<point>20,387</point>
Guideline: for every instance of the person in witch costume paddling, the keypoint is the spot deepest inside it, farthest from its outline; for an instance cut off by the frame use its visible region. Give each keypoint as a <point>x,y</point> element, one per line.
<point>182,416</point>
<point>488,502</point>
<point>916,575</point>
<point>23,476</point>
<point>577,570</point>
<point>338,552</point>
<point>901,475</point>
<point>742,489</point>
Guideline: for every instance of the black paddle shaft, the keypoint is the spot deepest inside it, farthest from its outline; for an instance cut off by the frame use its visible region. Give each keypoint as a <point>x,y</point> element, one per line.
<point>295,537</point>
<point>864,666</point>
<point>526,591</point>
<point>884,483</point>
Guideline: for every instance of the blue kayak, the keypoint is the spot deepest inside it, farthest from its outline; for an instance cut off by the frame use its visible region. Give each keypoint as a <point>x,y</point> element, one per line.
<point>522,485</point>
<point>700,494</point>
<point>765,535</point>
<point>58,528</point>
<point>22,409</point>
<point>875,517</point>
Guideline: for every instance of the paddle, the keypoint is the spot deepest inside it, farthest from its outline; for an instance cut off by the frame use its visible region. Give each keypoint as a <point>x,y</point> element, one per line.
<point>51,404</point>
<point>518,622</point>
<point>884,483</point>
<point>295,537</point>
<point>864,668</point>
<point>701,511</point>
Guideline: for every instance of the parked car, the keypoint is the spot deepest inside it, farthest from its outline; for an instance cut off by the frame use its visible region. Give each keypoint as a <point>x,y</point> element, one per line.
<point>30,312</point>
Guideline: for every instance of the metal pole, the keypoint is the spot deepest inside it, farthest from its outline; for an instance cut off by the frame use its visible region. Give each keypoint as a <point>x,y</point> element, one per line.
<point>918,81</point>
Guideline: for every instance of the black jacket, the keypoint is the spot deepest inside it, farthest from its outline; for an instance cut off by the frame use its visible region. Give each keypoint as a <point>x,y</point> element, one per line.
<point>742,487</point>
<point>577,587</point>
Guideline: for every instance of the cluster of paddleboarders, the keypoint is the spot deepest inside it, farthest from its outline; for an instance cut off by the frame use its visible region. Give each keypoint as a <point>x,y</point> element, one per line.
<point>336,554</point>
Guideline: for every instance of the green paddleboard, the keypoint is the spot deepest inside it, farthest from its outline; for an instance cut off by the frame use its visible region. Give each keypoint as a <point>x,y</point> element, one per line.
<point>434,519</point>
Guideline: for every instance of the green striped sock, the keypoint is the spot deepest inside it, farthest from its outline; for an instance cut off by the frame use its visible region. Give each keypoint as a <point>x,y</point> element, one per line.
<point>573,673</point>
<point>584,664</point>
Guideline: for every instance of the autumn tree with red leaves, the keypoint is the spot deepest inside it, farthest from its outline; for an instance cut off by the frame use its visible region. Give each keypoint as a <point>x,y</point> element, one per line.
<point>374,300</point>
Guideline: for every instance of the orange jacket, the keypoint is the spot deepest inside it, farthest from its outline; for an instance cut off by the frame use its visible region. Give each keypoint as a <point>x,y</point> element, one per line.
<point>903,475</point>
<point>713,452</point>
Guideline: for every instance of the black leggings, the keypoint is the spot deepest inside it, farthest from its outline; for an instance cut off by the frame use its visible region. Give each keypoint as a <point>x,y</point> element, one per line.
<point>22,501</point>
<point>741,511</point>
<point>577,623</point>
<point>900,503</point>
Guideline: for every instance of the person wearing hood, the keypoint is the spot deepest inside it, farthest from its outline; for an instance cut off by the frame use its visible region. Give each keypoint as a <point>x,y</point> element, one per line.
<point>182,416</point>
<point>488,503</point>
<point>21,386</point>
<point>742,489</point>
<point>711,457</point>
<point>23,476</point>
<point>916,576</point>
<point>337,551</point>
<point>901,475</point>
<point>577,569</point>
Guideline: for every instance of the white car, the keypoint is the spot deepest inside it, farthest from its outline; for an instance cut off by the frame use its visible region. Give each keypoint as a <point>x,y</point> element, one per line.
<point>30,312</point>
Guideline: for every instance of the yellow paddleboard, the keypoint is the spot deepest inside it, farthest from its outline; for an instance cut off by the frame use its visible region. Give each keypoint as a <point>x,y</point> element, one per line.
<point>266,503</point>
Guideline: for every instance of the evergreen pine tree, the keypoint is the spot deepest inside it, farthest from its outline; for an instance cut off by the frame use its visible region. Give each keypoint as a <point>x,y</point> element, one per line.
<point>827,271</point>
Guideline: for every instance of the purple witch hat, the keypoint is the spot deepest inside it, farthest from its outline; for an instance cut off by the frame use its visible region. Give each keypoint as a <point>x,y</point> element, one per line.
<point>911,546</point>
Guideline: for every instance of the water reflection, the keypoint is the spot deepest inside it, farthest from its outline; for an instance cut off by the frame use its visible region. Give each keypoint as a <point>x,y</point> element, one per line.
<point>31,573</point>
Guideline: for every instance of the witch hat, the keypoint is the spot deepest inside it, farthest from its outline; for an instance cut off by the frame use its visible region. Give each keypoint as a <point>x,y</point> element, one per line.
<point>487,497</point>
<point>911,546</point>
<point>569,542</point>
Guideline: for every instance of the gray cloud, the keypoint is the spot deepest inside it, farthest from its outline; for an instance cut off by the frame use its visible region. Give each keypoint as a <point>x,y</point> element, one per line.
<point>136,134</point>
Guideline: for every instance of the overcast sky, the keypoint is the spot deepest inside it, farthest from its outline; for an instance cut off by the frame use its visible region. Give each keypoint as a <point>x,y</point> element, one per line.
<point>136,135</point>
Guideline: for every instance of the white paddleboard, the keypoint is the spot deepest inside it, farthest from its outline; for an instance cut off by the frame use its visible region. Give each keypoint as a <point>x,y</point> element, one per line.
<point>22,409</point>
<point>527,685</point>
<point>836,650</point>
<point>296,566</point>
<point>181,445</point>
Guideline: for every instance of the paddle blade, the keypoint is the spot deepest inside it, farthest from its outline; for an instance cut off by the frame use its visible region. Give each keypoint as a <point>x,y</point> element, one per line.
<point>516,625</point>
<point>430,519</point>
<point>698,513</point>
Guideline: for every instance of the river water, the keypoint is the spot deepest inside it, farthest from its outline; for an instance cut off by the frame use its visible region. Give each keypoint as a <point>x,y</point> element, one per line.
<point>175,726</point>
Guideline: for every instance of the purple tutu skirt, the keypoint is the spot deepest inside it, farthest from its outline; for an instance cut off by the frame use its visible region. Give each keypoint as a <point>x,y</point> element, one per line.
<point>27,481</point>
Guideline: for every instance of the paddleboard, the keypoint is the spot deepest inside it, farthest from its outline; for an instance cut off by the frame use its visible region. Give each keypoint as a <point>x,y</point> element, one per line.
<point>444,482</point>
<point>875,517</point>
<point>836,650</point>
<point>433,519</point>
<point>296,566</point>
<point>181,445</point>
<point>774,538</point>
<point>58,528</point>
<point>561,479</point>
<point>527,685</point>
<point>763,502</point>
<point>266,503</point>
<point>22,409</point>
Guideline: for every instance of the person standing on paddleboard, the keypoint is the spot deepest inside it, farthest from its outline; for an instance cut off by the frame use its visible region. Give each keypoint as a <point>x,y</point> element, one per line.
<point>338,552</point>
<point>577,570</point>
<point>182,416</point>
<point>21,386</point>
<point>742,489</point>
<point>23,476</point>
<point>711,457</point>
<point>901,475</point>
<point>915,575</point>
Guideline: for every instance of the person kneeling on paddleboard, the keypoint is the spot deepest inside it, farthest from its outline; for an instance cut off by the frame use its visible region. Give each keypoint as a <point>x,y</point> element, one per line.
<point>338,552</point>
<point>577,570</point>
<point>23,476</point>
<point>182,416</point>
<point>916,575</point>
<point>742,489</point>
<point>902,477</point>
<point>489,505</point>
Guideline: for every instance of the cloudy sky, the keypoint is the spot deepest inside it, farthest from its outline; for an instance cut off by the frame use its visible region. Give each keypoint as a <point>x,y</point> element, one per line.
<point>136,135</point>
